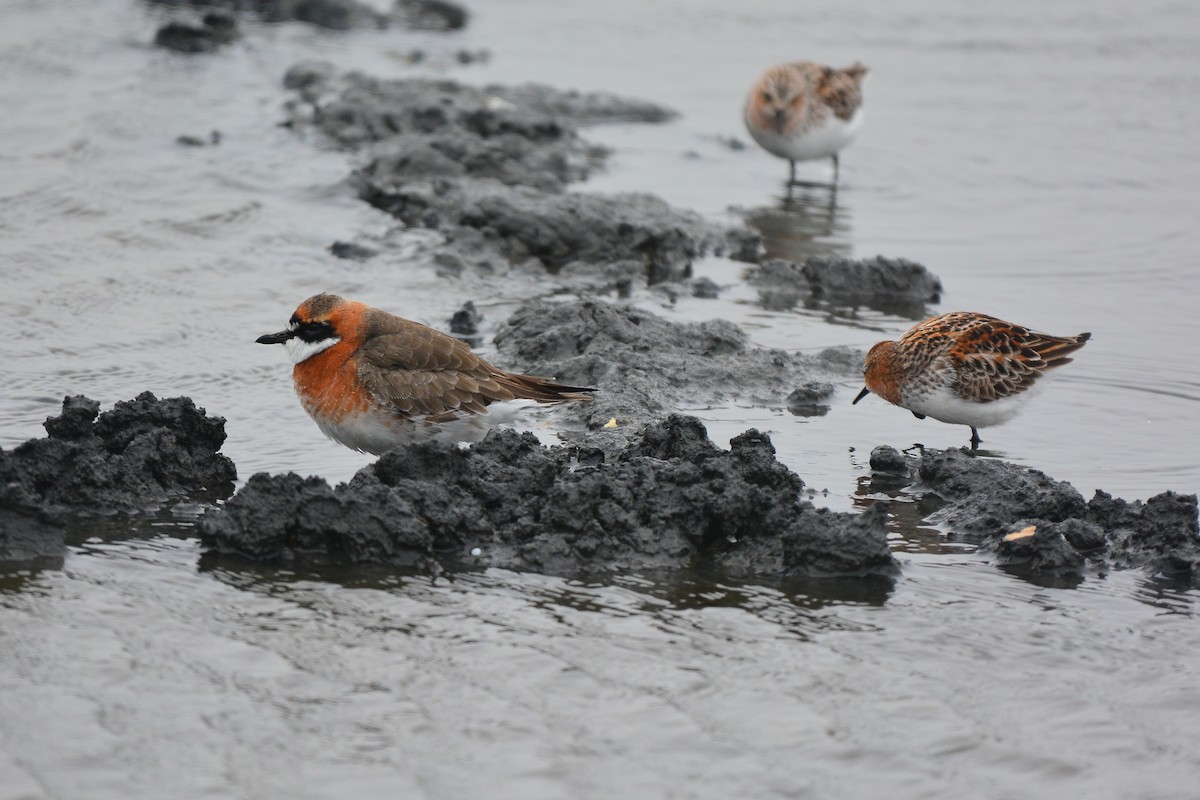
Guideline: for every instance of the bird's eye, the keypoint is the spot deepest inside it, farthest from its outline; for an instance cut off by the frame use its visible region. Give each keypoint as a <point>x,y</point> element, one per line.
<point>311,330</point>
<point>766,96</point>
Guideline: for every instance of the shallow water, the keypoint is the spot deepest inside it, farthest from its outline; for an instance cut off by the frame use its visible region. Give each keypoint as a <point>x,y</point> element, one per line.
<point>1039,160</point>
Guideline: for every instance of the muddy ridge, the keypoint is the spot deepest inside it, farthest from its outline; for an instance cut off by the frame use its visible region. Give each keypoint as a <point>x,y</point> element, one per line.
<point>670,499</point>
<point>645,366</point>
<point>1037,526</point>
<point>487,167</point>
<point>202,26</point>
<point>133,458</point>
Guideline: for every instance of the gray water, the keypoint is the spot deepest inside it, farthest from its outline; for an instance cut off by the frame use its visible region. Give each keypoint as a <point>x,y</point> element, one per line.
<point>1040,158</point>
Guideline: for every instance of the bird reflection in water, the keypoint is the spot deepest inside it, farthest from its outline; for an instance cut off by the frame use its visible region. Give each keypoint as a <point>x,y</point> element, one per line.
<point>807,221</point>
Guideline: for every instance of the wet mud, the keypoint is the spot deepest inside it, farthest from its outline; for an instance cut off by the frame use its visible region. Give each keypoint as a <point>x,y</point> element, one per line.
<point>492,170</point>
<point>488,168</point>
<point>669,500</point>
<point>645,366</point>
<point>1036,526</point>
<point>200,36</point>
<point>338,15</point>
<point>662,498</point>
<point>133,458</point>
<point>890,285</point>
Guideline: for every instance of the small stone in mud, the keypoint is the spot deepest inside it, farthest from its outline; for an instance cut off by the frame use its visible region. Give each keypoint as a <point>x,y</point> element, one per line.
<point>886,458</point>
<point>352,251</point>
<point>187,140</point>
<point>473,56</point>
<point>705,289</point>
<point>338,15</point>
<point>186,38</point>
<point>223,26</point>
<point>805,401</point>
<point>310,78</point>
<point>432,15</point>
<point>465,321</point>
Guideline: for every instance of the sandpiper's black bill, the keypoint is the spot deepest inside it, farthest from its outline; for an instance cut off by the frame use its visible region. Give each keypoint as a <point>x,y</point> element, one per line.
<point>275,338</point>
<point>861,394</point>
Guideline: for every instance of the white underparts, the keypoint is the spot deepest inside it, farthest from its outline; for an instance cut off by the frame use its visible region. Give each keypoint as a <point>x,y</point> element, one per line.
<point>377,431</point>
<point>299,350</point>
<point>943,404</point>
<point>821,140</point>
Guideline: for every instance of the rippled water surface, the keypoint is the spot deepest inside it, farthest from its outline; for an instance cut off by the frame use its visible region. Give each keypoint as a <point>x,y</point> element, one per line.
<point>1041,159</point>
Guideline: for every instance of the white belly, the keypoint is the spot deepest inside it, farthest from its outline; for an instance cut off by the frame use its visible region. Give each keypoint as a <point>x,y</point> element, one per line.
<point>376,432</point>
<point>819,141</point>
<point>944,405</point>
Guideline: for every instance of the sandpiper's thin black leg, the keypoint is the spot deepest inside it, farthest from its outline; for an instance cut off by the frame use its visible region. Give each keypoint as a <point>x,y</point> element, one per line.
<point>791,171</point>
<point>975,440</point>
<point>835,168</point>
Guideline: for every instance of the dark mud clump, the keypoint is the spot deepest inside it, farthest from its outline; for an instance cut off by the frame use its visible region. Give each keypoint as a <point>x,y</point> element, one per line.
<point>670,500</point>
<point>213,30</point>
<point>465,321</point>
<point>889,460</point>
<point>891,285</point>
<point>133,458</point>
<point>218,23</point>
<point>352,251</point>
<point>31,535</point>
<point>431,15</point>
<point>488,168</point>
<point>338,15</point>
<point>1038,525</point>
<point>809,399</point>
<point>646,366</point>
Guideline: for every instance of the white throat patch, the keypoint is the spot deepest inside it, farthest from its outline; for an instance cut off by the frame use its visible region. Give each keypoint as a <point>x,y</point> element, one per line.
<point>299,350</point>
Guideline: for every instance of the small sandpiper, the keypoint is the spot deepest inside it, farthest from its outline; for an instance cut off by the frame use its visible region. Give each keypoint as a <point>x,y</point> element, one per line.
<point>965,368</point>
<point>802,111</point>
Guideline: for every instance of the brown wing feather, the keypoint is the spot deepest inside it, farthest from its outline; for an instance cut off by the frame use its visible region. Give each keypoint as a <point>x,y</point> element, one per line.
<point>932,340</point>
<point>422,372</point>
<point>841,89</point>
<point>994,359</point>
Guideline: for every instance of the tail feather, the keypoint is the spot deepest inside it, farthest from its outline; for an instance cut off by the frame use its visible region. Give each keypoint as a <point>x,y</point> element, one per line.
<point>546,390</point>
<point>1055,351</point>
<point>857,70</point>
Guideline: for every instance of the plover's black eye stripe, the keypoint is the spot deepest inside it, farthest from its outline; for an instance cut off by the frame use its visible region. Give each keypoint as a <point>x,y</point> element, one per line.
<point>313,331</point>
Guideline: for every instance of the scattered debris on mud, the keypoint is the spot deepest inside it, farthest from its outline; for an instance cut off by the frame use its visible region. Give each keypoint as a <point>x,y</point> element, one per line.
<point>1040,527</point>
